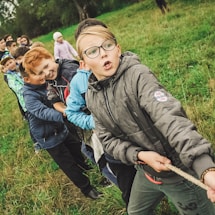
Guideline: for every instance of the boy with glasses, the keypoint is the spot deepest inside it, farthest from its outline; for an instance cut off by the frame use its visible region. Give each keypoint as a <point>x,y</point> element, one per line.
<point>78,113</point>
<point>141,124</point>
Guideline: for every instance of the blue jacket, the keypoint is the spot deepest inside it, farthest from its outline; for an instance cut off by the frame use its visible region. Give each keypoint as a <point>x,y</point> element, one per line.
<point>76,101</point>
<point>46,124</point>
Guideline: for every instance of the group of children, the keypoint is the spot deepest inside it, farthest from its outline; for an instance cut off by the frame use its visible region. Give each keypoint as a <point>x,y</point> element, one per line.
<point>132,126</point>
<point>42,101</point>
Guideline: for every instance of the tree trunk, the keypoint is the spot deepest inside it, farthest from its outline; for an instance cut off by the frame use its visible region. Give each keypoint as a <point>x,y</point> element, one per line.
<point>83,13</point>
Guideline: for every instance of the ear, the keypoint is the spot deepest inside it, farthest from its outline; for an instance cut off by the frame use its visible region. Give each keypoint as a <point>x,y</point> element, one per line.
<point>83,65</point>
<point>119,50</point>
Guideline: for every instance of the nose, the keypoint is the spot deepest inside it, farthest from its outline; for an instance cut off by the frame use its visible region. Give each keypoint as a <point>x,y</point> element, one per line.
<point>102,51</point>
<point>46,72</point>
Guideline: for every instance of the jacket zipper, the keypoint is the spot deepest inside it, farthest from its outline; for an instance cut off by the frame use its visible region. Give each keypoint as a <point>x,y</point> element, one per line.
<point>111,115</point>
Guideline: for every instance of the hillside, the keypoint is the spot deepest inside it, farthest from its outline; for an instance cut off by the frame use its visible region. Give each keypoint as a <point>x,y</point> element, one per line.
<point>179,47</point>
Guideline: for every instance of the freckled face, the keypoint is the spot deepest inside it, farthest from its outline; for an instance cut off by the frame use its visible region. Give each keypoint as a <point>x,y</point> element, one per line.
<point>106,63</point>
<point>49,67</point>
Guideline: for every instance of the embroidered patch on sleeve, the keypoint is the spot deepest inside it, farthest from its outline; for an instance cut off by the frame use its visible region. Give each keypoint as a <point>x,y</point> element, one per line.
<point>160,96</point>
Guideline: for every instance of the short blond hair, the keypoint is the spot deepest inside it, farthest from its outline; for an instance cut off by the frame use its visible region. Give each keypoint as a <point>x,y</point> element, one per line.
<point>96,30</point>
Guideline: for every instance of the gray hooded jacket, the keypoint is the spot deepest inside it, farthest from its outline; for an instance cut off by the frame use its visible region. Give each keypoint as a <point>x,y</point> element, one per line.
<point>116,104</point>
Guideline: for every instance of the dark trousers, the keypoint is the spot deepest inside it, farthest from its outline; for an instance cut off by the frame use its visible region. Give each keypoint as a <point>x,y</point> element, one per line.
<point>70,159</point>
<point>125,176</point>
<point>162,5</point>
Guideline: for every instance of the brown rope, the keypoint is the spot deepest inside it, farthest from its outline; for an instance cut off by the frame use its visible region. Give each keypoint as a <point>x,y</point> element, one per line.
<point>187,176</point>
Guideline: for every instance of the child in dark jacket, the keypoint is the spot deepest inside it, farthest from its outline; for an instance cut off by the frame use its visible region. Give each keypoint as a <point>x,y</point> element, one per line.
<point>162,5</point>
<point>48,128</point>
<point>58,75</point>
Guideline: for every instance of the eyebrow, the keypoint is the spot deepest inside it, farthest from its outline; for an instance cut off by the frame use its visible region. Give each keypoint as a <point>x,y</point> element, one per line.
<point>46,66</point>
<point>43,69</point>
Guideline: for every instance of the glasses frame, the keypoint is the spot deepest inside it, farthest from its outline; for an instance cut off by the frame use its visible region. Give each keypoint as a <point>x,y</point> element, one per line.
<point>99,47</point>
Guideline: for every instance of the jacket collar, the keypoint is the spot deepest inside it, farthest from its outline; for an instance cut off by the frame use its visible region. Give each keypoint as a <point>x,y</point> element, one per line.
<point>36,87</point>
<point>127,60</point>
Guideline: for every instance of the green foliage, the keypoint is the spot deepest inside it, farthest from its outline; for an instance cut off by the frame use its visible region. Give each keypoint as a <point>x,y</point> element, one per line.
<point>178,47</point>
<point>35,18</point>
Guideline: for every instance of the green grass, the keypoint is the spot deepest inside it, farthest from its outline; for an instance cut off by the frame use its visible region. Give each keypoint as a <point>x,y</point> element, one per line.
<point>178,47</point>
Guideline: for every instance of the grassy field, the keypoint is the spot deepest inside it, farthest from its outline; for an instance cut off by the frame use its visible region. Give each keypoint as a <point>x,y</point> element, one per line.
<point>179,47</point>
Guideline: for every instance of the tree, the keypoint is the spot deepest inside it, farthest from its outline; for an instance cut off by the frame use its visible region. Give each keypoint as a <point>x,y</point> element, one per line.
<point>7,15</point>
<point>38,17</point>
<point>7,10</point>
<point>85,8</point>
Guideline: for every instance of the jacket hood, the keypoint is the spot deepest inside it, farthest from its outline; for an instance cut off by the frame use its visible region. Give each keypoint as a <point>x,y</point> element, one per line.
<point>65,64</point>
<point>127,60</point>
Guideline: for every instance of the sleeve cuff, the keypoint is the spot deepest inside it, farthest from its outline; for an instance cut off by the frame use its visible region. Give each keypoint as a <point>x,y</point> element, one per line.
<point>202,163</point>
<point>132,154</point>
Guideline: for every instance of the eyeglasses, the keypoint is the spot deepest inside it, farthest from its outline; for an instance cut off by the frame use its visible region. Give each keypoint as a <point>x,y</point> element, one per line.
<point>94,51</point>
